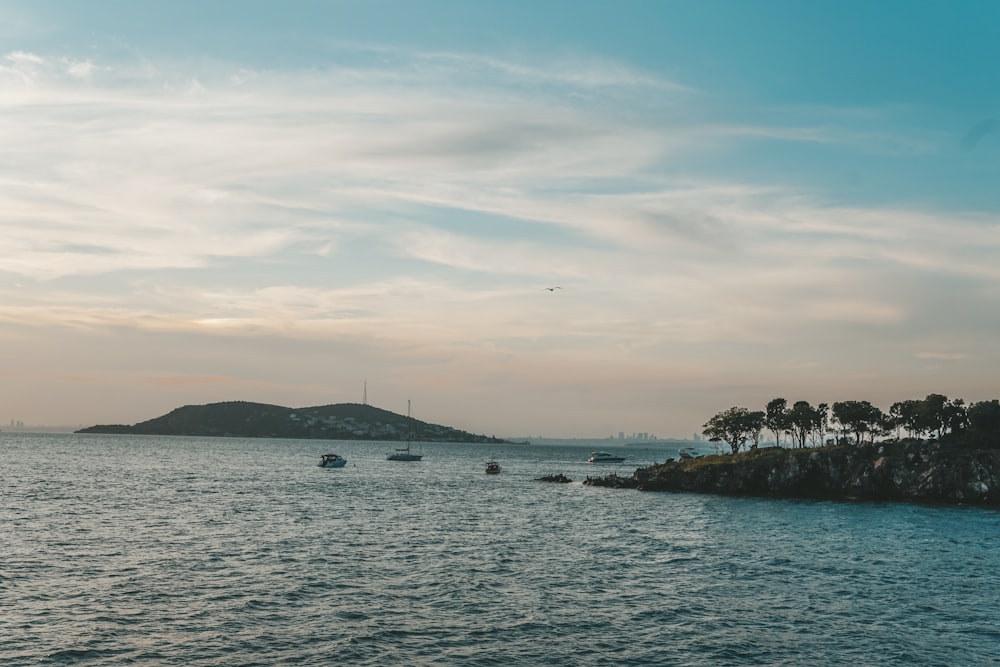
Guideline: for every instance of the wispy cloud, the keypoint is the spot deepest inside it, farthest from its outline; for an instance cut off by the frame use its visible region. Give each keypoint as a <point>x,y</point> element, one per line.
<point>944,356</point>
<point>414,206</point>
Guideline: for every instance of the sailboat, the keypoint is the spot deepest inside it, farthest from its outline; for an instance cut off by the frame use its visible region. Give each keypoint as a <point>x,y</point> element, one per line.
<point>404,453</point>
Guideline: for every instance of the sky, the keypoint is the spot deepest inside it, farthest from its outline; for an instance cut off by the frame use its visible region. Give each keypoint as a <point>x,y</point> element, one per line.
<point>291,202</point>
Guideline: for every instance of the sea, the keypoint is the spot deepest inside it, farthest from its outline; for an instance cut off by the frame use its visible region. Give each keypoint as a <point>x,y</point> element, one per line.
<point>143,550</point>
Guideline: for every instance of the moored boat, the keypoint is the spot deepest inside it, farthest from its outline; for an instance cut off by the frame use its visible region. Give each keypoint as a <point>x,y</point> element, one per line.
<point>604,457</point>
<point>404,453</point>
<point>332,461</point>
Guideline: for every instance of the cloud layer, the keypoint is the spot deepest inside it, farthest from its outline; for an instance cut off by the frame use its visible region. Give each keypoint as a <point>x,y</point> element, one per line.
<point>398,218</point>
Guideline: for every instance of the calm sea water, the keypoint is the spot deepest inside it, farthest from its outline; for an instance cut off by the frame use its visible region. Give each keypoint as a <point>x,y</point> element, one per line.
<point>181,551</point>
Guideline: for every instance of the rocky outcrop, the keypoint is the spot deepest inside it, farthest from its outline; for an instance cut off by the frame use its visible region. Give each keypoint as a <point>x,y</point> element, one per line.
<point>558,479</point>
<point>909,470</point>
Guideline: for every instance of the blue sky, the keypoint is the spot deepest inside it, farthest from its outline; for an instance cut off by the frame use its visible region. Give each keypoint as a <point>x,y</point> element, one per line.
<point>280,201</point>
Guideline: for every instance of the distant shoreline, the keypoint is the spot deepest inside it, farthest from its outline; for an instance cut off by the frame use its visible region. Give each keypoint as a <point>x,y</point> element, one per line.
<point>610,442</point>
<point>42,429</point>
<point>665,443</point>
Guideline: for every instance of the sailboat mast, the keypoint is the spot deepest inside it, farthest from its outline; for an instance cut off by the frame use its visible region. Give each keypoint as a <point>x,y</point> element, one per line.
<point>403,453</point>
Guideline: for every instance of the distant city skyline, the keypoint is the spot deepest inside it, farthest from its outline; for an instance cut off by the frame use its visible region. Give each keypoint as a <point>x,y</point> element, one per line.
<point>206,202</point>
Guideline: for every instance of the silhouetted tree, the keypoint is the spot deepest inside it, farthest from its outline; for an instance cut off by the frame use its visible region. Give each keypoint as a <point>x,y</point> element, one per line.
<point>803,420</point>
<point>776,418</point>
<point>932,414</point>
<point>906,414</point>
<point>859,418</point>
<point>956,416</point>
<point>984,417</point>
<point>822,423</point>
<point>734,427</point>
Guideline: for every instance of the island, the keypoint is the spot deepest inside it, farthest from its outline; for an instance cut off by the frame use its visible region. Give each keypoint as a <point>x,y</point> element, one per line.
<point>955,470</point>
<point>343,421</point>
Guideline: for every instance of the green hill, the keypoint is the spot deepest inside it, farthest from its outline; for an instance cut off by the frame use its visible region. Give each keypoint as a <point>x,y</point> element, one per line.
<point>343,421</point>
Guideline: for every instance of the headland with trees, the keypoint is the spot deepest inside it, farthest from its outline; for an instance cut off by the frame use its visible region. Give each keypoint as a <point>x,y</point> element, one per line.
<point>931,449</point>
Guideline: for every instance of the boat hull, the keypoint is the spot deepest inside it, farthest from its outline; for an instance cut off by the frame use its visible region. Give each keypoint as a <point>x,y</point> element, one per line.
<point>604,457</point>
<point>403,457</point>
<point>333,462</point>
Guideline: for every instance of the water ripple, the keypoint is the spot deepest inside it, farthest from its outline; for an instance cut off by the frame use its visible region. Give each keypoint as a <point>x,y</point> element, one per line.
<point>243,552</point>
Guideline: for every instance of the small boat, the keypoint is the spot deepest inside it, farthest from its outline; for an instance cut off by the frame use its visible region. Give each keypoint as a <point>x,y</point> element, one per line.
<point>404,453</point>
<point>332,461</point>
<point>604,457</point>
<point>688,453</point>
<point>492,467</point>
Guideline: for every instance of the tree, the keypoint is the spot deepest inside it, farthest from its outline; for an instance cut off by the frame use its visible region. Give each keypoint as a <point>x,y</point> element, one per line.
<point>822,423</point>
<point>858,417</point>
<point>756,423</point>
<point>932,414</point>
<point>984,417</point>
<point>906,414</point>
<point>956,416</point>
<point>776,418</point>
<point>803,420</point>
<point>734,427</point>
<point>884,425</point>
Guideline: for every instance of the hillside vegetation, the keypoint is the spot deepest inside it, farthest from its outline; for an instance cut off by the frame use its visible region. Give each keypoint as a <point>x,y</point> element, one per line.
<point>343,421</point>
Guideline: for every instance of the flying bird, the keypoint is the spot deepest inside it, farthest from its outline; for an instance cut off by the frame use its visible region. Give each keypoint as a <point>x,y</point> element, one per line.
<point>552,289</point>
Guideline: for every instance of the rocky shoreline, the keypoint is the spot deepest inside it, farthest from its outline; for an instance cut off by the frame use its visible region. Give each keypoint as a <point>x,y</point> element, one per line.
<point>893,471</point>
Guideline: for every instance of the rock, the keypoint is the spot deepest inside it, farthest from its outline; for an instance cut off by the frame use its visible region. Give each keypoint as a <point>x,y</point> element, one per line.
<point>906,470</point>
<point>613,480</point>
<point>560,479</point>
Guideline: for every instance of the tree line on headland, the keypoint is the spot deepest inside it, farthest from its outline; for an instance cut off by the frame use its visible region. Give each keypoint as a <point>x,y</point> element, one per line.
<point>857,422</point>
<point>928,450</point>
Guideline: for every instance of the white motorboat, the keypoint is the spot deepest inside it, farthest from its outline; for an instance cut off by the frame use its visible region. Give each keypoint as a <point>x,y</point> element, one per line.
<point>332,461</point>
<point>604,457</point>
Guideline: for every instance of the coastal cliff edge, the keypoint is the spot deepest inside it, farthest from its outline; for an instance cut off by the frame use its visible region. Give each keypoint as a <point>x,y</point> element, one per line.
<point>901,471</point>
